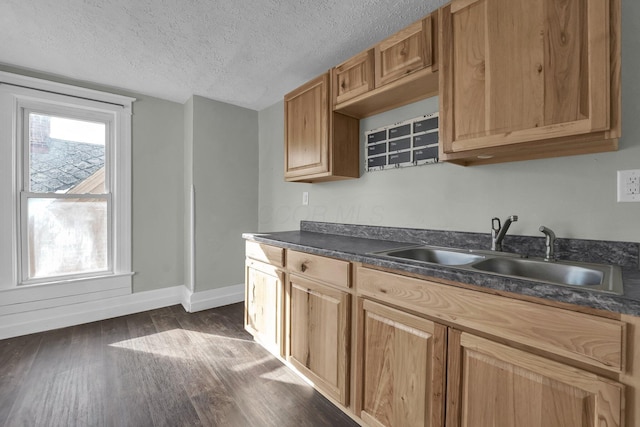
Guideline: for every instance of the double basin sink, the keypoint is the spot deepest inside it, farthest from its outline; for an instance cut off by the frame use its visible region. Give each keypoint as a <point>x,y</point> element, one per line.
<point>599,277</point>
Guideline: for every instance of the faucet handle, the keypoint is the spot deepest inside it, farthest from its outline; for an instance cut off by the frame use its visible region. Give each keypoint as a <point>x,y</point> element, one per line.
<point>549,242</point>
<point>495,228</point>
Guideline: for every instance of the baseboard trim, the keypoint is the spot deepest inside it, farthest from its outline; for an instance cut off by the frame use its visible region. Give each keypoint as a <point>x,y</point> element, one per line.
<point>90,311</point>
<point>198,301</point>
<point>16,324</point>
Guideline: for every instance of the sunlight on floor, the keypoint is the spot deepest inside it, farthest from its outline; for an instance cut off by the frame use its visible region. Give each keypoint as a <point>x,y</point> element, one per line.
<point>188,345</point>
<point>175,343</point>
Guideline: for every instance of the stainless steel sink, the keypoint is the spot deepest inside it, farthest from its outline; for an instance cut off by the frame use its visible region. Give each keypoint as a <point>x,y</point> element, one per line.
<point>434,255</point>
<point>593,276</point>
<point>601,277</point>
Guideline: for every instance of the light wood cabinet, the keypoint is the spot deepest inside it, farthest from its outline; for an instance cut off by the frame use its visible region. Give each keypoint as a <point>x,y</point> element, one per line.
<point>409,50</point>
<point>265,253</point>
<point>353,77</point>
<point>591,340</point>
<point>397,71</point>
<point>320,145</point>
<point>328,270</point>
<point>403,370</point>
<point>434,354</point>
<point>535,366</point>
<point>491,385</point>
<point>522,79</point>
<point>263,304</point>
<point>319,335</point>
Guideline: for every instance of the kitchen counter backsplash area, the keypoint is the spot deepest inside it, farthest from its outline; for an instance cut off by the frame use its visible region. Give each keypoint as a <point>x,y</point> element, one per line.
<point>624,254</point>
<point>357,242</point>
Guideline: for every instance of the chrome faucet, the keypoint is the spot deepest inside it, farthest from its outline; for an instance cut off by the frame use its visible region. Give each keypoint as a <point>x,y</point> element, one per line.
<point>498,231</point>
<point>549,242</point>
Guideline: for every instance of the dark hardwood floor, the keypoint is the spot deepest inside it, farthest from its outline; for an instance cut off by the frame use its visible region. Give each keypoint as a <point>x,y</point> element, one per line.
<point>163,367</point>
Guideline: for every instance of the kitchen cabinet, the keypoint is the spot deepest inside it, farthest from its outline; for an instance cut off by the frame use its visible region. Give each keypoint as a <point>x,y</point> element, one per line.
<point>426,353</point>
<point>353,77</point>
<point>320,145</point>
<point>397,71</point>
<point>491,384</point>
<point>403,370</point>
<point>320,330</point>
<point>263,302</point>
<point>510,362</point>
<point>523,79</point>
<point>409,50</point>
<point>264,285</point>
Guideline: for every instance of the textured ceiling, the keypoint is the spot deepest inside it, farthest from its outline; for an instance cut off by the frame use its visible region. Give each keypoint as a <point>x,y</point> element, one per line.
<point>248,53</point>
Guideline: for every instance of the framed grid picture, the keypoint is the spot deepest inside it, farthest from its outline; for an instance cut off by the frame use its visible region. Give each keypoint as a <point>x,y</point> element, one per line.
<point>412,142</point>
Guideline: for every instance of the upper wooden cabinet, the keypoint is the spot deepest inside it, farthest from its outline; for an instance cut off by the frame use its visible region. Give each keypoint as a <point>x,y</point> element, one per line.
<point>320,145</point>
<point>353,77</point>
<point>405,52</point>
<point>397,71</point>
<point>523,79</point>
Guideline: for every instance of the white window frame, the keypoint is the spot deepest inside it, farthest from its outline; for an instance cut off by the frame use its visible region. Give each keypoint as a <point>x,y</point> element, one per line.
<point>26,107</point>
<point>18,93</point>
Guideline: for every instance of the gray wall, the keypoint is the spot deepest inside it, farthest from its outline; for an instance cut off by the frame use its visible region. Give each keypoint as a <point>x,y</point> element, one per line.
<point>575,196</point>
<point>157,194</point>
<point>225,176</point>
<point>157,134</point>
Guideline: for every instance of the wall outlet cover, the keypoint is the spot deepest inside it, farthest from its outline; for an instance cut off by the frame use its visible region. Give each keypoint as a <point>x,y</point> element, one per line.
<point>629,186</point>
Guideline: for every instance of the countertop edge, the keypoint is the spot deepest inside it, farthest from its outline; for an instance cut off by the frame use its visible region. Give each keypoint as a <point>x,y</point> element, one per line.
<point>619,304</point>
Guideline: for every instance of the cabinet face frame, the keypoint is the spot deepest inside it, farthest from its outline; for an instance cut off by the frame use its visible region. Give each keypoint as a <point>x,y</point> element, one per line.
<point>598,61</point>
<point>408,342</point>
<point>310,307</point>
<point>542,384</point>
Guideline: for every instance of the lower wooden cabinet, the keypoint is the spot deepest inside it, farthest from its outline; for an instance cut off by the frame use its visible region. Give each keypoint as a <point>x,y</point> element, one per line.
<point>493,385</point>
<point>263,304</point>
<point>403,368</point>
<point>430,354</point>
<point>319,335</point>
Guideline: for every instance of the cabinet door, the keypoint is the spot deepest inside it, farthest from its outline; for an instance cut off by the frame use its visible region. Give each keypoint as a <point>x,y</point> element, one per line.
<point>409,50</point>
<point>307,129</point>
<point>403,369</point>
<point>319,338</point>
<point>263,308</point>
<point>514,71</point>
<point>353,77</point>
<point>490,384</point>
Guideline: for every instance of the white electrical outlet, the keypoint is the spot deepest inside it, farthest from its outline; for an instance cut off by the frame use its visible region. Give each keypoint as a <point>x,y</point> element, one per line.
<point>629,186</point>
<point>305,198</point>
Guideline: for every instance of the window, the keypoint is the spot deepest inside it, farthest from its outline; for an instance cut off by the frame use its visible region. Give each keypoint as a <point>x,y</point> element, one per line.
<point>65,185</point>
<point>65,211</point>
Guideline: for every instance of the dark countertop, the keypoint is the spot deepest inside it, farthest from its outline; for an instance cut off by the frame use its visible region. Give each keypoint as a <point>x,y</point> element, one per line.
<point>348,247</point>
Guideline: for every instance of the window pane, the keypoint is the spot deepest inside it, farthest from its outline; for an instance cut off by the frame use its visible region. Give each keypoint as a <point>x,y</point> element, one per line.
<point>66,155</point>
<point>66,236</point>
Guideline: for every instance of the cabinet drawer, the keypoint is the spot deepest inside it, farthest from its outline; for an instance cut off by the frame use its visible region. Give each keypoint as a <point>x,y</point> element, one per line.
<point>328,270</point>
<point>265,253</point>
<point>588,339</point>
